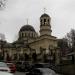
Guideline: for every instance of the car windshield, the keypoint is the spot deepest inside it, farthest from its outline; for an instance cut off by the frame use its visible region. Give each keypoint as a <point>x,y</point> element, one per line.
<point>2,64</point>
<point>9,64</point>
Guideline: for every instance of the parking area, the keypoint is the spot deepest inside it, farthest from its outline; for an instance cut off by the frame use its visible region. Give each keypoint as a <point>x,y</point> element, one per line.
<point>19,73</point>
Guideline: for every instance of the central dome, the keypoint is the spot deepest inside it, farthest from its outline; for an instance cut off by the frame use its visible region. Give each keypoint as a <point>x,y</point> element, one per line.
<point>27,28</point>
<point>27,31</point>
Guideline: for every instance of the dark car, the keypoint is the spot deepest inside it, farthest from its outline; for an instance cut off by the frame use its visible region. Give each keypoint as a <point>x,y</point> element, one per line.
<point>19,65</point>
<point>23,66</point>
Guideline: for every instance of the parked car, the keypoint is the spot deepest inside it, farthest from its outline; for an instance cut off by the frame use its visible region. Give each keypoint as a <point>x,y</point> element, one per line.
<point>12,67</point>
<point>4,67</point>
<point>41,71</point>
<point>46,65</point>
<point>5,73</point>
<point>22,65</point>
<point>19,66</point>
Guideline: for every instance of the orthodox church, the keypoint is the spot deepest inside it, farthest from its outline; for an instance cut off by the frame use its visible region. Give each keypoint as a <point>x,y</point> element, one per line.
<point>30,46</point>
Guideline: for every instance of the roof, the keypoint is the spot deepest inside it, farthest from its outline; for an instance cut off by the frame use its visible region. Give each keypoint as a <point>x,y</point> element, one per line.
<point>45,15</point>
<point>27,28</point>
<point>8,45</point>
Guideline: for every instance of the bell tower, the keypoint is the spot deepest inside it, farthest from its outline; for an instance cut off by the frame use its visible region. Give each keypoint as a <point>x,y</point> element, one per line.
<point>45,27</point>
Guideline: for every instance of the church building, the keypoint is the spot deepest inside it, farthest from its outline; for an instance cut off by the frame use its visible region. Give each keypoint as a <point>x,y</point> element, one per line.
<point>30,46</point>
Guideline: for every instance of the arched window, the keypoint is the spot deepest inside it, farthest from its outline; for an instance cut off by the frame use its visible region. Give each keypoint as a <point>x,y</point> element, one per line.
<point>41,21</point>
<point>29,35</point>
<point>44,21</point>
<point>22,34</point>
<point>48,20</point>
<point>25,34</point>
<point>32,35</point>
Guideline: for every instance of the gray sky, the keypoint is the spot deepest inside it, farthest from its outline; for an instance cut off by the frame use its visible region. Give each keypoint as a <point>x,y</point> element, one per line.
<point>62,13</point>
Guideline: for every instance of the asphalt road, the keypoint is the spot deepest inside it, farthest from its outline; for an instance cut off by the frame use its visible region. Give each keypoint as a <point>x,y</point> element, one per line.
<point>19,73</point>
<point>23,73</point>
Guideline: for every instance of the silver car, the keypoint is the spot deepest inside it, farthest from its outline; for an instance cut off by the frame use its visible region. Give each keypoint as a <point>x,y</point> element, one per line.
<point>5,73</point>
<point>4,67</point>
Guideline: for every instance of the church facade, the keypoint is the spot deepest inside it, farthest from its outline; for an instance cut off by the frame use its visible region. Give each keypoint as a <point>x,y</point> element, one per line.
<point>30,46</point>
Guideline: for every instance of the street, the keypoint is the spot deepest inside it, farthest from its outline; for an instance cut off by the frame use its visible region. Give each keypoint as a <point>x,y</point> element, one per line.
<point>19,73</point>
<point>23,73</point>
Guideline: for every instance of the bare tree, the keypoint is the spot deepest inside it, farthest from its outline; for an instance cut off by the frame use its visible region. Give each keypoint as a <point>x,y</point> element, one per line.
<point>67,44</point>
<point>2,4</point>
<point>71,38</point>
<point>63,45</point>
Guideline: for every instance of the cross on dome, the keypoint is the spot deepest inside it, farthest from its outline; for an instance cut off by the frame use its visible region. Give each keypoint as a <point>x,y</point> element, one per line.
<point>27,21</point>
<point>45,10</point>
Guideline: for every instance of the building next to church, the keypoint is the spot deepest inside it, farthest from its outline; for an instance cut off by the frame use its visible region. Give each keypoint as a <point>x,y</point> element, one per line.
<point>33,47</point>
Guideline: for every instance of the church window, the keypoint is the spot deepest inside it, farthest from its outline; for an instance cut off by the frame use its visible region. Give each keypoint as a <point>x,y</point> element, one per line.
<point>48,20</point>
<point>21,34</point>
<point>25,34</point>
<point>32,35</point>
<point>41,22</point>
<point>29,34</point>
<point>44,21</point>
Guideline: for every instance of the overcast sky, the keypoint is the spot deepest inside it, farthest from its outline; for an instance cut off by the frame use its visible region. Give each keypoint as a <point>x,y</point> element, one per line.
<point>13,17</point>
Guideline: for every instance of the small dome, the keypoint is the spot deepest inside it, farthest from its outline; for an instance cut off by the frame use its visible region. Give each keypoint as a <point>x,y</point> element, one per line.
<point>27,28</point>
<point>45,15</point>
